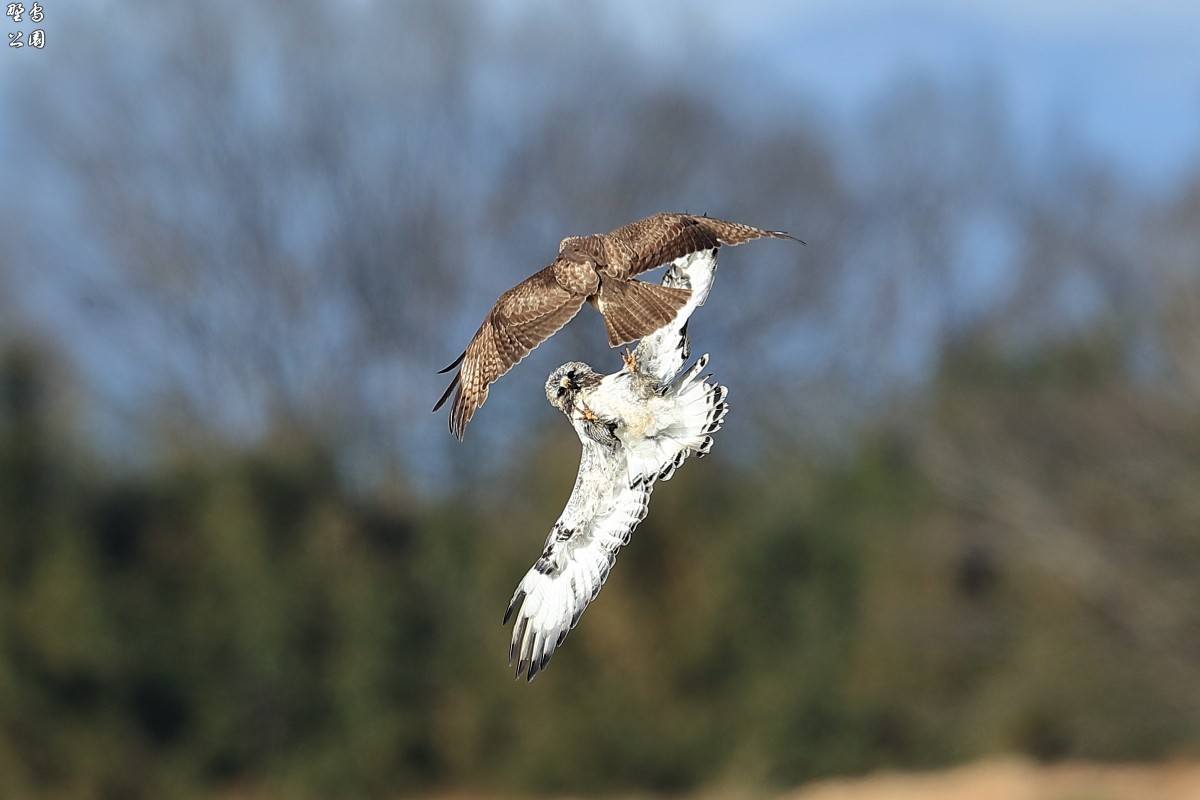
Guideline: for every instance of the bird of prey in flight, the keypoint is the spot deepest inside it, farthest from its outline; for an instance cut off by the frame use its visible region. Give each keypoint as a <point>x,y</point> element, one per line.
<point>602,270</point>
<point>636,426</point>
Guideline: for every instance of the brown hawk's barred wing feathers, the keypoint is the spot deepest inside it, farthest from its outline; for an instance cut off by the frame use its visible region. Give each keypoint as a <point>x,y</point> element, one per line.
<point>524,317</point>
<point>662,238</point>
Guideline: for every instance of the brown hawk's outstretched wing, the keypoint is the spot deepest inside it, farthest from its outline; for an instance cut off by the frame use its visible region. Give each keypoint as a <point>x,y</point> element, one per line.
<point>524,317</point>
<point>662,238</point>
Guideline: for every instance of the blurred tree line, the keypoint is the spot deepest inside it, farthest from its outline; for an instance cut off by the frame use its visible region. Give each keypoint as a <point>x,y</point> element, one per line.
<point>1014,571</point>
<point>953,512</point>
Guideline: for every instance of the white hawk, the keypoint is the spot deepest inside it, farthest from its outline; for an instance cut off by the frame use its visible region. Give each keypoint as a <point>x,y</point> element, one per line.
<point>636,426</point>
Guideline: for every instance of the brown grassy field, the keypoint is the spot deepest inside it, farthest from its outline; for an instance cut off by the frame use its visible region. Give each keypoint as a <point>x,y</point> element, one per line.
<point>1015,779</point>
<point>1001,779</point>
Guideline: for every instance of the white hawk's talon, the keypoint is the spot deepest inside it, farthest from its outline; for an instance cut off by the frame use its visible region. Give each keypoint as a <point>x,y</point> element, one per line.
<point>629,360</point>
<point>588,414</point>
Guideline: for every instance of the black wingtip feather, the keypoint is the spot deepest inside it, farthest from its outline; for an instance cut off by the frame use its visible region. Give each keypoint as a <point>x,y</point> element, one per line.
<point>454,364</point>
<point>512,605</point>
<point>460,415</point>
<point>446,394</point>
<point>518,637</point>
<point>786,235</point>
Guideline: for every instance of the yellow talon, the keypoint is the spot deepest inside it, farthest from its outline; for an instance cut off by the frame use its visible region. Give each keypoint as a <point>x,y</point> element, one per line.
<point>630,361</point>
<point>588,414</point>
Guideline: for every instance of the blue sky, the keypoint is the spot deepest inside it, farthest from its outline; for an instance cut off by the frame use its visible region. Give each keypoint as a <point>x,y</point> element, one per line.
<point>1122,76</point>
<point>1126,74</point>
<point>1123,80</point>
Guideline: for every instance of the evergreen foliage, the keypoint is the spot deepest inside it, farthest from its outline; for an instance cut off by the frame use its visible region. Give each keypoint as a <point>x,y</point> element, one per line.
<point>239,619</point>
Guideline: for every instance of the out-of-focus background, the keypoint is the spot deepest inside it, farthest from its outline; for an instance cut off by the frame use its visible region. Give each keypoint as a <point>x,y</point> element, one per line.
<point>954,513</point>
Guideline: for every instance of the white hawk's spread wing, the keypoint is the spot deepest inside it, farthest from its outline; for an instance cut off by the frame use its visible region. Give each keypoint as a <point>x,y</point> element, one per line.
<point>682,418</point>
<point>598,520</point>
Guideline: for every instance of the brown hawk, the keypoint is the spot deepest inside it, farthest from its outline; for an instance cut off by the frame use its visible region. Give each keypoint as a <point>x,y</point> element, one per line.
<point>600,269</point>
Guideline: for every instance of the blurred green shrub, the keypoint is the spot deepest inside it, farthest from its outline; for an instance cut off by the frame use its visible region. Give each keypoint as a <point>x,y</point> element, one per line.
<point>1009,568</point>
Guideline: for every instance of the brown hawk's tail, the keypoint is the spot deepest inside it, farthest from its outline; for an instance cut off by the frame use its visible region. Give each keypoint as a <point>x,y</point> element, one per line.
<point>633,309</point>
